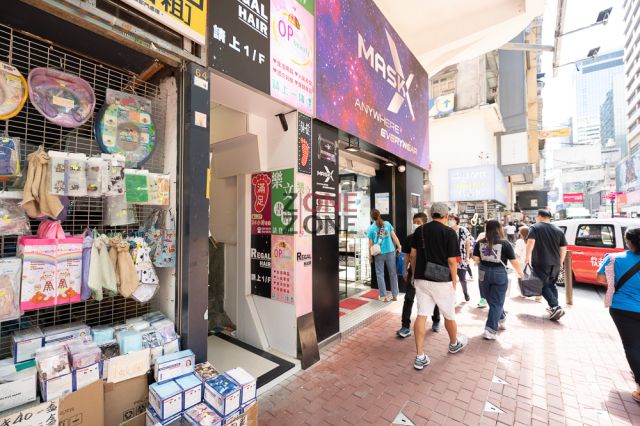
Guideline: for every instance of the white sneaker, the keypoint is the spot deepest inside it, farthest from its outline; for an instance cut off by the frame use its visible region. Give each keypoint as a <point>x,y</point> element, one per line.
<point>489,335</point>
<point>502,325</point>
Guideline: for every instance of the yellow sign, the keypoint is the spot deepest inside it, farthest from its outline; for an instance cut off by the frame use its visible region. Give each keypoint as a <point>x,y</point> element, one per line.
<point>562,132</point>
<point>187,17</point>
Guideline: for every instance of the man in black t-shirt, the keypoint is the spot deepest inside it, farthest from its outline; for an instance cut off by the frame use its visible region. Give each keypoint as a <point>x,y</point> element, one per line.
<point>434,252</point>
<point>410,292</point>
<point>546,250</point>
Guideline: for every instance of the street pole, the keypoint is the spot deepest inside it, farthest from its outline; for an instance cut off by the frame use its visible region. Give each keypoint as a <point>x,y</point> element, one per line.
<point>612,211</point>
<point>568,278</point>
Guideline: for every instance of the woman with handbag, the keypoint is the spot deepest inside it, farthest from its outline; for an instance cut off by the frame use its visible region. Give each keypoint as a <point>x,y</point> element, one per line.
<point>492,254</point>
<point>619,272</point>
<point>383,247</point>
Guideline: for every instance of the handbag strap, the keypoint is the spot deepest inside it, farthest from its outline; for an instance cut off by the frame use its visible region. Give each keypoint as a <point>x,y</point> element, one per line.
<point>627,276</point>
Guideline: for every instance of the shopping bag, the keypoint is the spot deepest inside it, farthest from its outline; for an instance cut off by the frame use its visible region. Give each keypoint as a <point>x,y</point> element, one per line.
<point>400,264</point>
<point>530,284</point>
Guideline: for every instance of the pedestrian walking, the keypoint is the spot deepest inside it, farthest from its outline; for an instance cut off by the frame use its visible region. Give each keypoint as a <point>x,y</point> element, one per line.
<point>383,246</point>
<point>521,243</point>
<point>464,243</point>
<point>619,272</point>
<point>434,251</point>
<point>511,232</point>
<point>482,303</point>
<point>410,292</point>
<point>492,254</point>
<point>546,250</point>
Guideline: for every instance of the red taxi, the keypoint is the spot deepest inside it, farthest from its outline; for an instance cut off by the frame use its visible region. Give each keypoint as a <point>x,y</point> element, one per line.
<point>590,239</point>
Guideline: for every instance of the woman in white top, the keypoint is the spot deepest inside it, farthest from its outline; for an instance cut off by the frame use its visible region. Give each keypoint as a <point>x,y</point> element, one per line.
<point>521,244</point>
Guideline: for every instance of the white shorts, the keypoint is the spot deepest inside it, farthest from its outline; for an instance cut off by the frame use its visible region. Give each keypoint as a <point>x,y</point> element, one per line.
<point>430,293</point>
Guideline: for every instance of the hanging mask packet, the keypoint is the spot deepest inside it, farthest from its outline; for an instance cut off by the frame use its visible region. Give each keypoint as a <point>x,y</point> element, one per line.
<point>9,157</point>
<point>68,173</point>
<point>113,174</point>
<point>96,184</point>
<point>117,212</point>
<point>13,219</point>
<point>159,189</point>
<point>10,276</point>
<point>136,184</point>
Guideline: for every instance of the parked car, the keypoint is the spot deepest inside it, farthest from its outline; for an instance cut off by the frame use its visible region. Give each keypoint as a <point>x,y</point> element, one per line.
<point>590,239</point>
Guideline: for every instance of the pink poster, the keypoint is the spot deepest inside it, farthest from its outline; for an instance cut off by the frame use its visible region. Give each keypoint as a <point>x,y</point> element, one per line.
<point>282,268</point>
<point>261,204</point>
<point>292,54</point>
<point>303,275</point>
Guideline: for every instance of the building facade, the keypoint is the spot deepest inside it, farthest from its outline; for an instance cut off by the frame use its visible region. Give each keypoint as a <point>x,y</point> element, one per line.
<point>632,72</point>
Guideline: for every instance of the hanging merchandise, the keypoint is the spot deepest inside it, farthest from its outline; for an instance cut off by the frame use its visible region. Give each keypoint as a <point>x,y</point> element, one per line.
<point>50,229</point>
<point>102,275</point>
<point>117,212</point>
<point>96,184</point>
<point>113,174</point>
<point>69,270</point>
<point>9,157</point>
<point>38,273</point>
<point>13,91</point>
<point>10,274</point>
<point>87,244</point>
<point>147,277</point>
<point>165,251</point>
<point>68,173</point>
<point>159,189</point>
<point>151,233</point>
<point>136,186</point>
<point>124,126</point>
<point>126,274</point>
<point>13,219</point>
<point>36,199</point>
<point>64,99</point>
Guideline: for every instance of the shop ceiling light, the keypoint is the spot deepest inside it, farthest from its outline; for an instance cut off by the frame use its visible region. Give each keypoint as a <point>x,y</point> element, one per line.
<point>390,163</point>
<point>353,147</point>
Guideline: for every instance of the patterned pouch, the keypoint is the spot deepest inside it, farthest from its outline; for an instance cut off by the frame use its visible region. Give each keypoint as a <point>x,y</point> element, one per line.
<point>165,252</point>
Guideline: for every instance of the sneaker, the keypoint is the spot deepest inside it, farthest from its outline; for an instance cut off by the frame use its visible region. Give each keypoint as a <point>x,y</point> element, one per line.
<point>436,327</point>
<point>502,325</point>
<point>459,345</point>
<point>383,299</point>
<point>556,313</point>
<point>490,335</point>
<point>482,303</point>
<point>421,362</point>
<point>404,332</point>
<point>467,298</point>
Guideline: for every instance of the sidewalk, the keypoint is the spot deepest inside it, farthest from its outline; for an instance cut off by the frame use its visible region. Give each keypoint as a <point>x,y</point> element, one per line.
<point>539,372</point>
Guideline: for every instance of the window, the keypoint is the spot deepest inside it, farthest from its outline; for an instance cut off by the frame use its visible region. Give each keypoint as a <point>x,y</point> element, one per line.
<point>443,85</point>
<point>624,240</point>
<point>596,236</point>
<point>563,229</point>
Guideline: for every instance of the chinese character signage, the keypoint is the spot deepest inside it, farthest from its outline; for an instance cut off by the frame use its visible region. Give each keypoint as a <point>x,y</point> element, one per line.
<point>282,256</point>
<point>267,44</point>
<point>45,414</point>
<point>261,204</point>
<point>368,82</point>
<point>292,53</point>
<point>239,40</point>
<point>573,197</point>
<point>303,275</point>
<point>283,202</point>
<point>304,144</point>
<point>186,17</point>
<point>260,258</point>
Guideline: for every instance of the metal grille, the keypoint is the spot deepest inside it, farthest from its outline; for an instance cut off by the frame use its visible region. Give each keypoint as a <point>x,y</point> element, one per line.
<point>25,53</point>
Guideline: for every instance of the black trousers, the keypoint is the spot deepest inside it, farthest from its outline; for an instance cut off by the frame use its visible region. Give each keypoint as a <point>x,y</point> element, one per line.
<point>628,324</point>
<point>409,297</point>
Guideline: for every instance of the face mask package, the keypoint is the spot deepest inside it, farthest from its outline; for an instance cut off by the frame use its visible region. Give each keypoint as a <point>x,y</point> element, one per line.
<point>96,171</point>
<point>13,219</point>
<point>113,174</point>
<point>10,274</point>
<point>68,173</point>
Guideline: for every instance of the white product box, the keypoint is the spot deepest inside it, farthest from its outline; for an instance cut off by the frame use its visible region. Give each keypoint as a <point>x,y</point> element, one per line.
<point>166,399</point>
<point>25,344</point>
<point>57,387</point>
<point>62,333</point>
<point>174,365</point>
<point>191,390</point>
<point>18,384</point>
<point>223,395</point>
<point>85,376</point>
<point>247,384</point>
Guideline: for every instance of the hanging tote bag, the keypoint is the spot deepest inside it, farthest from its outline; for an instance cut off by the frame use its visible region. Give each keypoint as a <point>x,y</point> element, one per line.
<point>165,253</point>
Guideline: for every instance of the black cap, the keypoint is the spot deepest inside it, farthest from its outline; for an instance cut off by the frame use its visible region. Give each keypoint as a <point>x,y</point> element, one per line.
<point>544,213</point>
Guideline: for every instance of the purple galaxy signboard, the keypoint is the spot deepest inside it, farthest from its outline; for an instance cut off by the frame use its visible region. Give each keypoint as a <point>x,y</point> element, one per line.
<point>368,83</point>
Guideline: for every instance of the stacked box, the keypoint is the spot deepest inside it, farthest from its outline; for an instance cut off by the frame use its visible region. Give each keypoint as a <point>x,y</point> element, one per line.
<point>165,399</point>
<point>223,395</point>
<point>174,365</point>
<point>191,390</point>
<point>25,343</point>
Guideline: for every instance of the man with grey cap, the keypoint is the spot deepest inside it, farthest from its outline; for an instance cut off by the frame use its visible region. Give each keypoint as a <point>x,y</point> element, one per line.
<point>434,253</point>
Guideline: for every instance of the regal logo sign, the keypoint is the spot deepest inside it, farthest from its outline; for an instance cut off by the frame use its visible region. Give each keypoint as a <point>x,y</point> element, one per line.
<point>365,71</point>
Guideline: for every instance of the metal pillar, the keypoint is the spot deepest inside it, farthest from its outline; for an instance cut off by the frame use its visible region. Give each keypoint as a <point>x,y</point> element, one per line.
<point>568,278</point>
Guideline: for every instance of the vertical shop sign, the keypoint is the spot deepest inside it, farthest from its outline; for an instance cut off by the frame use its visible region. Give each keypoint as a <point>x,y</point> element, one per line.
<point>283,206</point>
<point>261,265</point>
<point>239,40</point>
<point>303,275</point>
<point>304,144</point>
<point>292,52</point>
<point>325,182</point>
<point>261,204</point>
<point>282,256</point>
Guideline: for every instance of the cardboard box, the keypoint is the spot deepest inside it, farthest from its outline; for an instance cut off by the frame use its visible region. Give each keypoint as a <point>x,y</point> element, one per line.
<point>84,407</point>
<point>223,395</point>
<point>166,399</point>
<point>125,400</point>
<point>168,367</point>
<point>18,383</point>
<point>247,384</point>
<point>25,343</point>
<point>191,387</point>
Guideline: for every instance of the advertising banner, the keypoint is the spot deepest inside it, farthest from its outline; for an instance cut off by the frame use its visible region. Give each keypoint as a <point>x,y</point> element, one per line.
<point>325,180</point>
<point>261,204</point>
<point>283,202</point>
<point>186,17</point>
<point>368,82</point>
<point>303,275</point>
<point>304,144</point>
<point>282,268</point>
<point>292,53</point>
<point>239,40</point>
<point>573,197</point>
<point>260,257</point>
<point>628,174</point>
<point>480,183</point>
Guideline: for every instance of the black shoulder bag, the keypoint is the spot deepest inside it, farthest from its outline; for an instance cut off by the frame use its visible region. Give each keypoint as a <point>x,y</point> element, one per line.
<point>433,271</point>
<point>627,276</point>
